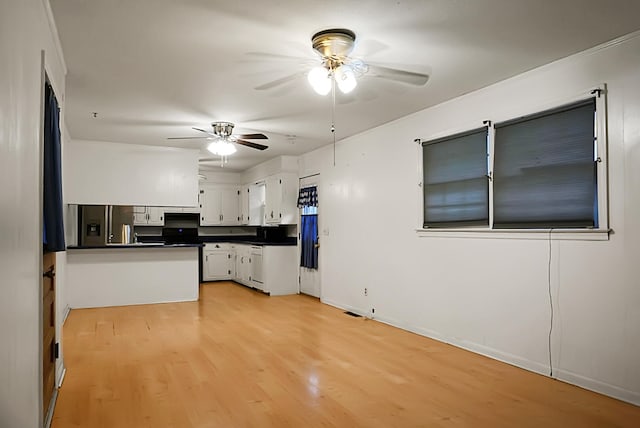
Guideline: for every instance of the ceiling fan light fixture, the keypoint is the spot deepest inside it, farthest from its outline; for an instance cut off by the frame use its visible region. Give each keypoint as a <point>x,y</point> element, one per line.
<point>222,148</point>
<point>320,80</point>
<point>345,78</point>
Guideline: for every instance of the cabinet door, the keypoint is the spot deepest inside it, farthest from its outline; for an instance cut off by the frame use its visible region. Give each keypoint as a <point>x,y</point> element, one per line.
<point>230,206</point>
<point>155,216</point>
<point>231,264</point>
<point>256,204</point>
<point>256,271</point>
<point>238,264</point>
<point>288,210</point>
<point>215,265</point>
<point>210,212</point>
<point>272,199</point>
<point>244,205</point>
<point>139,216</point>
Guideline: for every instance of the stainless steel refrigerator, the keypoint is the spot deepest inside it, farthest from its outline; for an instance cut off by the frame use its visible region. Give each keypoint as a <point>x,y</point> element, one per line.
<point>106,224</point>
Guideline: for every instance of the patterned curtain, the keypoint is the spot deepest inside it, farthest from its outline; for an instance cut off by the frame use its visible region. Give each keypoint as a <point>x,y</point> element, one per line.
<point>308,197</point>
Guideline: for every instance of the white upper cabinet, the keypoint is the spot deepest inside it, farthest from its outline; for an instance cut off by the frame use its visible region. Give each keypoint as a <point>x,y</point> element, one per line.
<point>256,204</point>
<point>281,199</point>
<point>219,205</point>
<point>244,205</point>
<point>148,216</point>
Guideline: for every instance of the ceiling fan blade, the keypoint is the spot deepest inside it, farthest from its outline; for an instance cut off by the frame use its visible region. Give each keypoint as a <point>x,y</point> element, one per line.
<point>252,145</point>
<point>278,82</point>
<point>272,56</point>
<point>186,138</point>
<point>410,77</point>
<point>252,136</point>
<point>206,132</point>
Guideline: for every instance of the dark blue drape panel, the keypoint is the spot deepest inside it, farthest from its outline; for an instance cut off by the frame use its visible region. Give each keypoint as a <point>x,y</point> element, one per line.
<point>53,227</point>
<point>309,254</point>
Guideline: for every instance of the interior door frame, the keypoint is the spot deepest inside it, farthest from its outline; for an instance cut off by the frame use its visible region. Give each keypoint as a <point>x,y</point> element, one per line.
<point>59,368</point>
<point>305,181</point>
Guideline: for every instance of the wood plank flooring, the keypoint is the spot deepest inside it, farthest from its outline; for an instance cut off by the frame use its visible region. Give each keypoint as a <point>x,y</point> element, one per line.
<point>238,358</point>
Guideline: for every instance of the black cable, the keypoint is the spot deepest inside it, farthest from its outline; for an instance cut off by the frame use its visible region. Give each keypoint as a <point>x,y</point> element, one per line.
<point>550,305</point>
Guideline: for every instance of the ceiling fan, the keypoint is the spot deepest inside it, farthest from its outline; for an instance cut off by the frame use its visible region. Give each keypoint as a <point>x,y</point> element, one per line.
<point>334,47</point>
<point>223,141</point>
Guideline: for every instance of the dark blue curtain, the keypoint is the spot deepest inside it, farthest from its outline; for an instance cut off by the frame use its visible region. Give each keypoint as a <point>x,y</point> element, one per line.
<point>309,238</point>
<point>53,226</point>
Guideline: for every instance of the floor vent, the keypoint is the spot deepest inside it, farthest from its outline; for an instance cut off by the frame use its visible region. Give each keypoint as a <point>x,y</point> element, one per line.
<point>353,314</point>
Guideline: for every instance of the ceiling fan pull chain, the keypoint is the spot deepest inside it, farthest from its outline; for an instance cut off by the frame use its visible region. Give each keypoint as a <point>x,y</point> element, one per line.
<point>333,117</point>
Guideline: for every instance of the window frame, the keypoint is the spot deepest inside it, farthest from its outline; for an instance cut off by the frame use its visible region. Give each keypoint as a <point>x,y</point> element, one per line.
<point>587,233</point>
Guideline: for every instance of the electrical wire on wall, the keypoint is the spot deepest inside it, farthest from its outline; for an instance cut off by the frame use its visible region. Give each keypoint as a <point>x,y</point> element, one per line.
<point>550,304</point>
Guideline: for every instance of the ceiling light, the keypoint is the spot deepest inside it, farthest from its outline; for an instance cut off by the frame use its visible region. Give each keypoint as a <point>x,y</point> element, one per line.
<point>320,80</point>
<point>345,78</point>
<point>222,148</point>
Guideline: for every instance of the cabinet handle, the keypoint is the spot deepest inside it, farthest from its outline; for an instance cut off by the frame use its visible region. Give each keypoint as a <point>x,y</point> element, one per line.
<point>206,258</point>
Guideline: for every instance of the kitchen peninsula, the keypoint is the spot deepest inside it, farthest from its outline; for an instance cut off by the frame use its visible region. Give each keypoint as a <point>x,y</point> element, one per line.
<point>134,274</point>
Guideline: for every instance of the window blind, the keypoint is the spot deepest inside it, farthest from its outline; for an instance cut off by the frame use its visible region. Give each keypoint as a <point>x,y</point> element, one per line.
<point>455,184</point>
<point>545,171</point>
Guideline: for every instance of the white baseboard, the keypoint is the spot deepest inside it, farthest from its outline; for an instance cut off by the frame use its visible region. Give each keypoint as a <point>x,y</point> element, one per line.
<point>52,405</point>
<point>64,372</point>
<point>599,387</point>
<point>67,311</point>
<point>514,360</point>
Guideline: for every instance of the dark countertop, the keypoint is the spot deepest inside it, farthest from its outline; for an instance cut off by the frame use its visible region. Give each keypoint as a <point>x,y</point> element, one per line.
<point>231,239</point>
<point>250,239</point>
<point>130,246</point>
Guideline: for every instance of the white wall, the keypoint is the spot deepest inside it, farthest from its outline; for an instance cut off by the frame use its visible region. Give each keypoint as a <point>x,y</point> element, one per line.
<point>219,177</point>
<point>106,173</point>
<point>491,295</point>
<point>270,167</point>
<point>24,33</point>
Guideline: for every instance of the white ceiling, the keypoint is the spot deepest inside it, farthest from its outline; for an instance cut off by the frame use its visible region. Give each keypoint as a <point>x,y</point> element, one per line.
<point>152,69</point>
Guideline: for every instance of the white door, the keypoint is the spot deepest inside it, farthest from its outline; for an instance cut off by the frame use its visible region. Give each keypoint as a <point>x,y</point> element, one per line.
<point>309,277</point>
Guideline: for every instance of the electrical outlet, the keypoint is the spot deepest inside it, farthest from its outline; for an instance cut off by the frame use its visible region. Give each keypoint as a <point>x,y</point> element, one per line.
<point>366,292</point>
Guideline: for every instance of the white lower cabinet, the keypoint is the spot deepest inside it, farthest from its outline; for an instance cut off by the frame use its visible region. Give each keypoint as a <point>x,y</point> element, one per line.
<point>271,269</point>
<point>218,262</point>
<point>243,253</point>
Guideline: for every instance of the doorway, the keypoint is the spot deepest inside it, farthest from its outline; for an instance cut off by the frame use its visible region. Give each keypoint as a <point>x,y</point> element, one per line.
<point>308,204</point>
<point>52,232</point>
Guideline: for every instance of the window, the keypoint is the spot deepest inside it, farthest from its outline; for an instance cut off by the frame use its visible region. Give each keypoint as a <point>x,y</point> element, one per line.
<point>545,170</point>
<point>539,171</point>
<point>455,180</point>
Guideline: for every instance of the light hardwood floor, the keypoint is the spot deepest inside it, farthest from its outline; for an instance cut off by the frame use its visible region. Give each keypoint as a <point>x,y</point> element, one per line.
<point>238,358</point>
